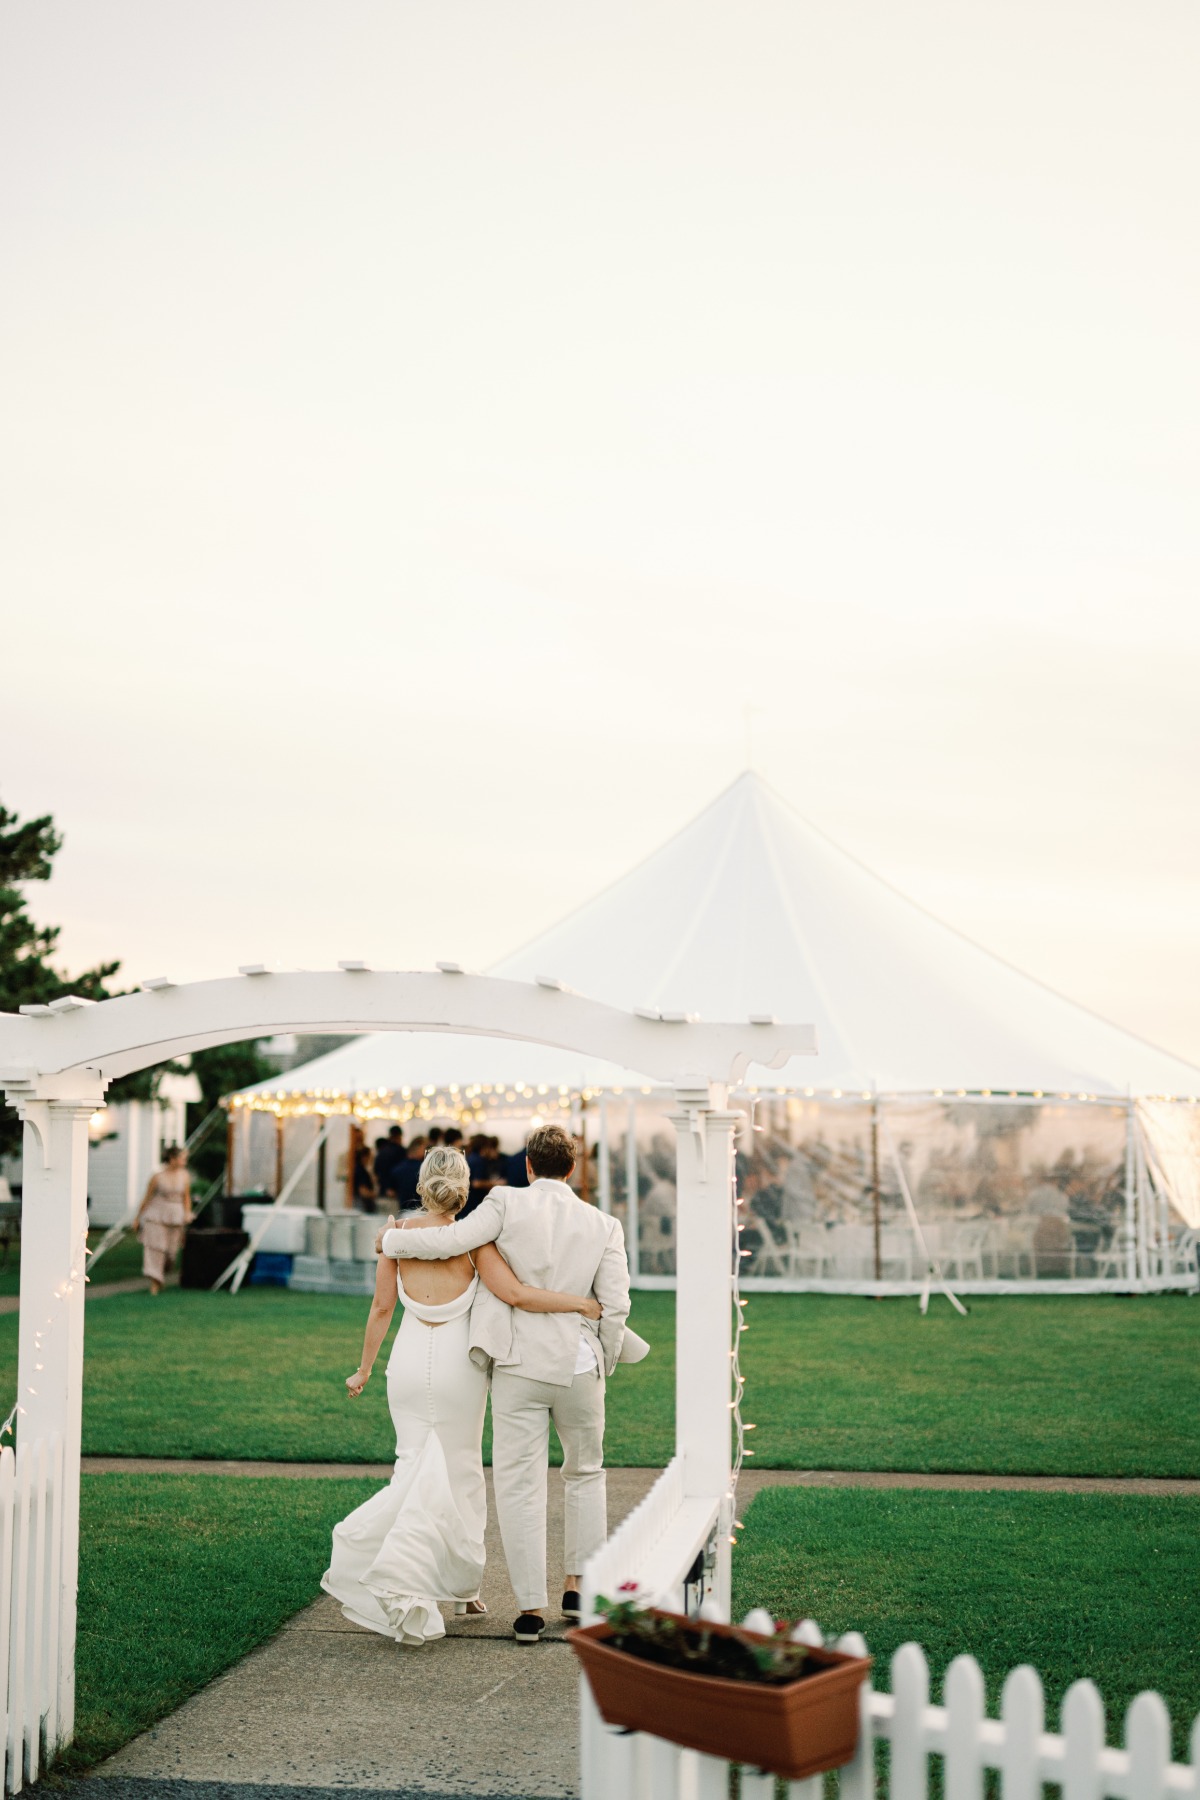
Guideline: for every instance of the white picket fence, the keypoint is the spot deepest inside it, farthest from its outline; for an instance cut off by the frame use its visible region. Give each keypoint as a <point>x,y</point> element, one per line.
<point>655,1544</point>
<point>30,1575</point>
<point>958,1733</point>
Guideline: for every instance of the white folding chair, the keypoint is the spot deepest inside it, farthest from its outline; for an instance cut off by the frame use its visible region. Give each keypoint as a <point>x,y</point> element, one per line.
<point>808,1251</point>
<point>963,1256</point>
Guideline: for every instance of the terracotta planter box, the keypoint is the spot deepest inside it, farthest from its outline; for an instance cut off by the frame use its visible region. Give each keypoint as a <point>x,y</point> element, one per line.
<point>799,1728</point>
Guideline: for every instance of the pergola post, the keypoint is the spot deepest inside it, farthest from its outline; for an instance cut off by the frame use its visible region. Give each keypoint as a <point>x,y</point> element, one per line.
<point>704,1254</point>
<point>55,1111</point>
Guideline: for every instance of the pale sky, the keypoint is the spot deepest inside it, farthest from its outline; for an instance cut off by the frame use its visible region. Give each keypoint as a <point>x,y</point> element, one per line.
<point>427,426</point>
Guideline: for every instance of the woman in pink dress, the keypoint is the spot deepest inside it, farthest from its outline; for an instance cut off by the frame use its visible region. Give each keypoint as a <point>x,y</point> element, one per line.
<point>164,1216</point>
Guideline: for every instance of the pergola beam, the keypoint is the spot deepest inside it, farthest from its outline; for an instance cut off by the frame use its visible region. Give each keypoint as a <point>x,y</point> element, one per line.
<point>117,1037</point>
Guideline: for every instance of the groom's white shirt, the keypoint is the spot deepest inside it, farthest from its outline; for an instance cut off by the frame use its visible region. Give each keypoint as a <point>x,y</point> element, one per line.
<point>550,1239</point>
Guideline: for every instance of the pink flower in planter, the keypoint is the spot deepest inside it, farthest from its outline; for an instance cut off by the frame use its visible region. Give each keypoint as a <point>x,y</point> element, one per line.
<point>628,1587</point>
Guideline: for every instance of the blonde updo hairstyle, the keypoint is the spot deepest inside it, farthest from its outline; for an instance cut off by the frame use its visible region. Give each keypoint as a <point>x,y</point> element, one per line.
<point>444,1181</point>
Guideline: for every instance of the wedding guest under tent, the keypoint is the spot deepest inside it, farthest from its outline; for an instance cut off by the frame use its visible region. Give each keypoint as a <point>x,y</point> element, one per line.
<point>958,1112</point>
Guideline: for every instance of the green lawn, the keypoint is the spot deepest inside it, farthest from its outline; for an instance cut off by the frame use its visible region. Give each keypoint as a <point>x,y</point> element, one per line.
<point>179,1577</point>
<point>1088,1385</point>
<point>1077,1585</point>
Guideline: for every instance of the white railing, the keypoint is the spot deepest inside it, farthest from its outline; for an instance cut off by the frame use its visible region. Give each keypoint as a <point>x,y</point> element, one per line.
<point>655,1545</point>
<point>30,1577</point>
<point>1017,1745</point>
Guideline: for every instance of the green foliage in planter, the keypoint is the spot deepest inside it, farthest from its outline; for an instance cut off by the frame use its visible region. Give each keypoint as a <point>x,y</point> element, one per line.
<point>660,1637</point>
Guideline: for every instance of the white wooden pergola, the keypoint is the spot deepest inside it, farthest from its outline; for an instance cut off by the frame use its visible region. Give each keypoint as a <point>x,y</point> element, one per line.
<point>55,1065</point>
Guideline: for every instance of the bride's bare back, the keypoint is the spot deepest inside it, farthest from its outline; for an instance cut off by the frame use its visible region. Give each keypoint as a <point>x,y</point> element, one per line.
<point>433,1283</point>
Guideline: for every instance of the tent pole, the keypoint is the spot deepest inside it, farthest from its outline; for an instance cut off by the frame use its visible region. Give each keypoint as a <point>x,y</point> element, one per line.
<point>278,1152</point>
<point>230,1148</point>
<point>1145,1213</point>
<point>356,1143</point>
<point>1130,1197</point>
<point>603,1168</point>
<point>933,1268</point>
<point>632,1234</point>
<point>875,1219</point>
<point>585,1168</point>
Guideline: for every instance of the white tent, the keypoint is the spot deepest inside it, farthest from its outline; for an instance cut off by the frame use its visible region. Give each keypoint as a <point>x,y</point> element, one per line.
<point>749,910</point>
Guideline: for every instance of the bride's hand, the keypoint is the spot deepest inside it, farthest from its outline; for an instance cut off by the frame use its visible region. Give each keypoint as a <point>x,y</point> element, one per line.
<point>357,1382</point>
<point>591,1308</point>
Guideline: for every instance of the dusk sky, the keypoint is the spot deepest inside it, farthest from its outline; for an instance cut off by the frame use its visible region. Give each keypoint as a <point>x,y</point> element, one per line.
<point>430,427</point>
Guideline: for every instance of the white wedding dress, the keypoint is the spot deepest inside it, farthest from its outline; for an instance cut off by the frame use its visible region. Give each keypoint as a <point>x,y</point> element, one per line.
<point>420,1539</point>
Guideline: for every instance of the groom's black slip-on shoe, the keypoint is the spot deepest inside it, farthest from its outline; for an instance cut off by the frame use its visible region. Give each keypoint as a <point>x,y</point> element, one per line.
<point>528,1628</point>
<point>572,1606</point>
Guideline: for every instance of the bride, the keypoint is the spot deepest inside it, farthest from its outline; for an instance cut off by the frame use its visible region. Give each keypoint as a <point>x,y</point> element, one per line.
<point>420,1539</point>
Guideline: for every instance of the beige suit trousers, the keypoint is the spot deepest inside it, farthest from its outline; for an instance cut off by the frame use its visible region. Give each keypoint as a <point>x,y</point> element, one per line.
<point>521,1414</point>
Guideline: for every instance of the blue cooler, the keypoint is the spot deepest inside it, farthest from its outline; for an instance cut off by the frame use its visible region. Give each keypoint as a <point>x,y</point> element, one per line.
<point>270,1268</point>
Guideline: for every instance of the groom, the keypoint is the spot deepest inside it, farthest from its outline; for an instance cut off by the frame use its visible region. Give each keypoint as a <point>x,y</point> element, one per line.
<point>544,1365</point>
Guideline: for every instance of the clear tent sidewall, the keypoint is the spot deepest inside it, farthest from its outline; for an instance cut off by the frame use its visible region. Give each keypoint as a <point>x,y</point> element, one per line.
<point>866,1193</point>
<point>859,1193</point>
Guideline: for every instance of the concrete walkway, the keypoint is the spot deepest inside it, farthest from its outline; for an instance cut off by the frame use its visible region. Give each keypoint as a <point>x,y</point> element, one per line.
<point>625,1480</point>
<point>326,1705</point>
<point>101,1290</point>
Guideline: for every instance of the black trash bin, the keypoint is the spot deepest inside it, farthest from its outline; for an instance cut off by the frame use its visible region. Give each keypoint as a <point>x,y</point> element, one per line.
<point>207,1252</point>
<point>226,1209</point>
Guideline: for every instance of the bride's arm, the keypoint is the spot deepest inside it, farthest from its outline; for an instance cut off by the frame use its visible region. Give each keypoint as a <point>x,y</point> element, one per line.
<point>495,1274</point>
<point>383,1305</point>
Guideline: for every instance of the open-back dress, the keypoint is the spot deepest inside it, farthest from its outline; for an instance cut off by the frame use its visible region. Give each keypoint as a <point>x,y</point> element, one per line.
<point>420,1539</point>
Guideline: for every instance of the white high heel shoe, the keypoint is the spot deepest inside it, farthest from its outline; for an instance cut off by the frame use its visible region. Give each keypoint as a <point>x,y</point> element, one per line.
<point>469,1609</point>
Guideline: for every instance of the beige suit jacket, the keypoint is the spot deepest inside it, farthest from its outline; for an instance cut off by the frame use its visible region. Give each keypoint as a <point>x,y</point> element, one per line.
<point>550,1239</point>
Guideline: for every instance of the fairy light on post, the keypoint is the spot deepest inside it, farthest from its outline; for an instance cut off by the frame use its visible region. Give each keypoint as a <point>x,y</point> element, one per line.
<point>62,1292</point>
<point>740,1304</point>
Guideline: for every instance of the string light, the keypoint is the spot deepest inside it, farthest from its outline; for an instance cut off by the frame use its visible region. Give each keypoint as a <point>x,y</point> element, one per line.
<point>17,1411</point>
<point>739,1306</point>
